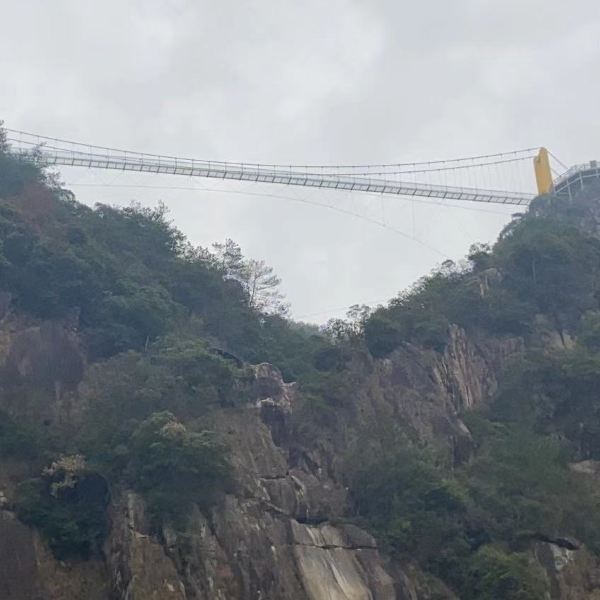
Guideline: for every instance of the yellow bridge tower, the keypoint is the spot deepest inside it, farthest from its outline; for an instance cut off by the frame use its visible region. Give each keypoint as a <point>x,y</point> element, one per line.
<point>543,173</point>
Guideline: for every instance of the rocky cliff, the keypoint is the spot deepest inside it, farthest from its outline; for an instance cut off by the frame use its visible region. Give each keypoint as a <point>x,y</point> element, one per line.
<point>283,531</point>
<point>444,445</point>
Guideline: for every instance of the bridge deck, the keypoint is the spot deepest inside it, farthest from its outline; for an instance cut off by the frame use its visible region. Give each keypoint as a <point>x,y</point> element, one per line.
<point>146,163</point>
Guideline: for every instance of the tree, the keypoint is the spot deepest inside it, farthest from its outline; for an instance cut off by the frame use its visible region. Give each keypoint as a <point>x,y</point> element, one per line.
<point>67,504</point>
<point>17,171</point>
<point>553,265</point>
<point>255,276</point>
<point>382,334</point>
<point>175,467</point>
<point>230,260</point>
<point>350,328</point>
<point>261,287</point>
<point>494,573</point>
<point>480,255</point>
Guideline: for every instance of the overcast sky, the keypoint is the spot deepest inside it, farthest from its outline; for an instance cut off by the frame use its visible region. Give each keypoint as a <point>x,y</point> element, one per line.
<point>344,81</point>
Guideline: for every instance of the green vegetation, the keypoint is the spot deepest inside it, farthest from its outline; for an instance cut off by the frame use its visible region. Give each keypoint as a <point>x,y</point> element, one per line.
<point>16,174</point>
<point>555,394</point>
<point>517,488</point>
<point>174,467</point>
<point>132,277</point>
<point>168,330</point>
<point>544,262</point>
<point>401,494</point>
<point>494,574</point>
<point>171,466</point>
<point>471,526</point>
<point>19,440</point>
<point>67,504</point>
<point>127,436</point>
<point>166,327</point>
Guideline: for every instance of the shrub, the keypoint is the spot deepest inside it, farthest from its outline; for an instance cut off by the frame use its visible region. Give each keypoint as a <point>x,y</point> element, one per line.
<point>18,439</point>
<point>67,504</point>
<point>404,497</point>
<point>174,467</point>
<point>382,335</point>
<point>207,376</point>
<point>16,173</point>
<point>493,574</point>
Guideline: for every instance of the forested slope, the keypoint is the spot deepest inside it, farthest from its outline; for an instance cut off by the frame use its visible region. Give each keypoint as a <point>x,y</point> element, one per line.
<point>443,446</point>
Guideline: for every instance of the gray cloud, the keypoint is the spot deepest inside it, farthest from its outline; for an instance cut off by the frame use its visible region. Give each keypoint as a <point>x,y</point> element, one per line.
<point>342,81</point>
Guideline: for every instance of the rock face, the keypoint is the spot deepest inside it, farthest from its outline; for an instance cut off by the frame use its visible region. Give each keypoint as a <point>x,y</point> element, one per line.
<point>469,369</point>
<point>574,574</point>
<point>46,358</point>
<point>253,545</point>
<point>340,563</point>
<point>29,572</point>
<point>19,577</point>
<point>273,536</point>
<point>279,532</point>
<point>424,392</point>
<point>138,563</point>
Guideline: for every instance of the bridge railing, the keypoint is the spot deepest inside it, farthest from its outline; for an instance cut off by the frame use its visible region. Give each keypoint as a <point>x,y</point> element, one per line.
<point>51,152</point>
<point>575,170</point>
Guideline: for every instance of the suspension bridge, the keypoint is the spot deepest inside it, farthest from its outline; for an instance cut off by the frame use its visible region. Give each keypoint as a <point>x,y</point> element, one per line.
<point>485,175</point>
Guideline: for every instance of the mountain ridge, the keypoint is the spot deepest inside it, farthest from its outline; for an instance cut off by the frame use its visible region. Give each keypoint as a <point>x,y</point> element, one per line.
<point>164,436</point>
